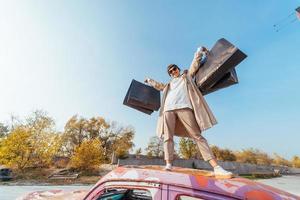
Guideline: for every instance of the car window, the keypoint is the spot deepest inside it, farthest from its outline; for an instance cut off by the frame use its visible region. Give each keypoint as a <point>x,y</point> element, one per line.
<point>183,197</point>
<point>125,194</point>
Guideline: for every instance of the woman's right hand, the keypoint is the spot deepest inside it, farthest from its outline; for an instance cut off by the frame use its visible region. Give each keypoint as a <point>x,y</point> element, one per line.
<point>203,49</point>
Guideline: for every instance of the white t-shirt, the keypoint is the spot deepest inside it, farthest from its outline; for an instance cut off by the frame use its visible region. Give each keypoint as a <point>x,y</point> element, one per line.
<point>177,96</point>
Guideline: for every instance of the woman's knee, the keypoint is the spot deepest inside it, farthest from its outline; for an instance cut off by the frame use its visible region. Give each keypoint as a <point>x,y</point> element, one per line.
<point>168,140</point>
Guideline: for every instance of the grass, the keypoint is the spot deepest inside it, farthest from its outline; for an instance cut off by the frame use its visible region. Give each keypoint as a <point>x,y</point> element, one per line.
<point>39,176</point>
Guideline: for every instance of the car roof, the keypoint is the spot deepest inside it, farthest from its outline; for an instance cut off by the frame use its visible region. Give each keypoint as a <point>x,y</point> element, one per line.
<point>4,167</point>
<point>203,180</point>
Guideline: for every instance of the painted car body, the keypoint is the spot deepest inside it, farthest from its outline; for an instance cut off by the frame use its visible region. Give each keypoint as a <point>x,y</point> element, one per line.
<point>170,185</point>
<point>152,182</point>
<point>55,195</point>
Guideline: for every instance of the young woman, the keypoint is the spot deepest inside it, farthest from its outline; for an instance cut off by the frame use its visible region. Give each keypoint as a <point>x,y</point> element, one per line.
<point>184,112</point>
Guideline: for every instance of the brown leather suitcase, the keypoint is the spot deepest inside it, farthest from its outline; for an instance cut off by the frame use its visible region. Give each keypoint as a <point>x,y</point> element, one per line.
<point>142,97</point>
<point>222,58</point>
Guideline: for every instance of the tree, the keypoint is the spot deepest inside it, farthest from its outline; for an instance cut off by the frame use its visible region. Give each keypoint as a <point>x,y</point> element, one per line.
<point>31,143</point>
<point>73,135</point>
<point>263,158</point>
<point>223,154</point>
<point>38,142</point>
<point>296,161</point>
<point>79,129</point>
<point>155,147</point>
<point>188,149</point>
<point>114,138</point>
<point>88,155</point>
<point>96,127</point>
<point>16,150</point>
<point>44,139</point>
<point>3,130</point>
<point>278,160</point>
<point>117,139</point>
<point>253,156</point>
<point>123,142</point>
<point>138,151</point>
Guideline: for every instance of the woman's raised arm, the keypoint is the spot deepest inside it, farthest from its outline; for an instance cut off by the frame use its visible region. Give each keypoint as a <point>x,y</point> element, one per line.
<point>157,85</point>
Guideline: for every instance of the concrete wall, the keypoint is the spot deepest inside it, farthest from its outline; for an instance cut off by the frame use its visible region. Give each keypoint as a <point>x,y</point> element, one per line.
<point>235,167</point>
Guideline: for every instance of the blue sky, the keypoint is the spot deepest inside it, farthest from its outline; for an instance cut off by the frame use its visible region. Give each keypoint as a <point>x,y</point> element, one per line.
<point>79,57</point>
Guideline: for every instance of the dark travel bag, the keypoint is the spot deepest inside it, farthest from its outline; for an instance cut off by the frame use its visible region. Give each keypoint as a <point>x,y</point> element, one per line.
<point>142,97</point>
<point>222,58</point>
<point>230,78</point>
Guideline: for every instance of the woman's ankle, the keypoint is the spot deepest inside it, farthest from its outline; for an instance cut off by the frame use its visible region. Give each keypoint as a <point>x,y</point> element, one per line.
<point>168,162</point>
<point>213,162</point>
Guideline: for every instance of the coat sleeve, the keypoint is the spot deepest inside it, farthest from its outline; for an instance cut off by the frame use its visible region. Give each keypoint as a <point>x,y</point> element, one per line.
<point>157,85</point>
<point>195,64</point>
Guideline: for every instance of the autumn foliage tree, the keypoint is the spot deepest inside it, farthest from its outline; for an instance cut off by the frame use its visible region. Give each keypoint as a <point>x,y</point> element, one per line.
<point>114,138</point>
<point>31,143</point>
<point>253,156</point>
<point>44,138</point>
<point>123,142</point>
<point>223,154</point>
<point>88,155</point>
<point>188,149</point>
<point>16,149</point>
<point>278,160</point>
<point>155,147</point>
<point>296,161</point>
<point>79,129</point>
<point>34,142</point>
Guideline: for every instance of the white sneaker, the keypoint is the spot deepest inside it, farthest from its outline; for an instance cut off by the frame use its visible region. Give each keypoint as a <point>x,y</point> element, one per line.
<point>168,167</point>
<point>222,173</point>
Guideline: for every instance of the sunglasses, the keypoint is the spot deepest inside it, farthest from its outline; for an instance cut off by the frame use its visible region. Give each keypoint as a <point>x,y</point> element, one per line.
<point>172,70</point>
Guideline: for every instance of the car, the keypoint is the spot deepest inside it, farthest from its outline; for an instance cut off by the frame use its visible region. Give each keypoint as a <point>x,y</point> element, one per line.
<point>5,173</point>
<point>154,183</point>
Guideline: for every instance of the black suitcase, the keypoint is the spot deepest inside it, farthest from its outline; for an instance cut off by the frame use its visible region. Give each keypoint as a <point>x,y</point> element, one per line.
<point>142,97</point>
<point>223,57</point>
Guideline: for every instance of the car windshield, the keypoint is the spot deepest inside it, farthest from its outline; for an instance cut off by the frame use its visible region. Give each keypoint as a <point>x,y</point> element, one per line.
<point>125,194</point>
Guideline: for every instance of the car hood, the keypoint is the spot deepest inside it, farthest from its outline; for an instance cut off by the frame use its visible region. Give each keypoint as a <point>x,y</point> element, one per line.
<point>55,194</point>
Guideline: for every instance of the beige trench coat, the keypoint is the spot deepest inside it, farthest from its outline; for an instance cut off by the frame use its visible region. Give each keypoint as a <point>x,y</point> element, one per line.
<point>204,117</point>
